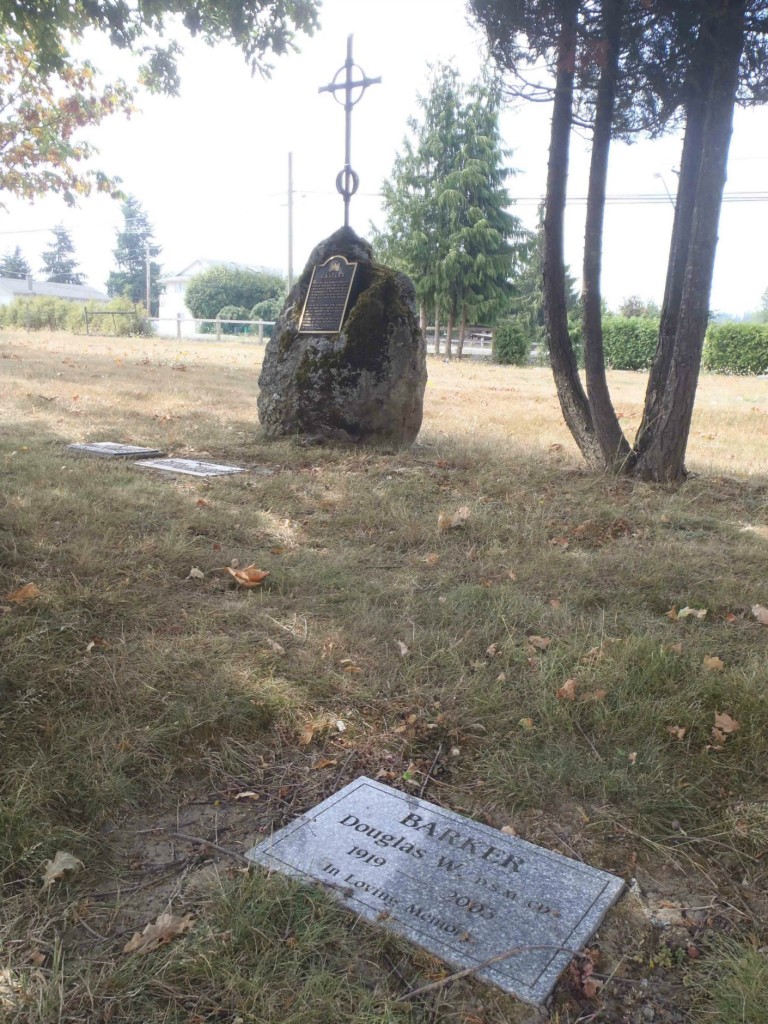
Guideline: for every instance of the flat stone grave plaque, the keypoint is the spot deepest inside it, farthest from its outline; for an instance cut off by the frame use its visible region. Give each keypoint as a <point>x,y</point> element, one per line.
<point>327,296</point>
<point>191,467</point>
<point>114,450</point>
<point>463,891</point>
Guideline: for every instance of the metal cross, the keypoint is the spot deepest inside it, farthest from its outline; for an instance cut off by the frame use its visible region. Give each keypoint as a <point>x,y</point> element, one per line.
<point>347,181</point>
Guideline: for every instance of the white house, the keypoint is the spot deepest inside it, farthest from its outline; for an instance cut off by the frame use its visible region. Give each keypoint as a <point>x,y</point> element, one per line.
<point>174,289</point>
<point>25,287</point>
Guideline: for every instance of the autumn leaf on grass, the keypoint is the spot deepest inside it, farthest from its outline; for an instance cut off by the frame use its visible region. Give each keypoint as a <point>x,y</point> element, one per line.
<point>195,574</point>
<point>677,732</point>
<point>431,559</point>
<point>247,794</point>
<point>526,724</point>
<point>165,928</point>
<point>275,647</point>
<point>541,643</point>
<point>402,648</point>
<point>25,593</point>
<point>324,762</point>
<point>446,521</point>
<point>250,576</point>
<point>713,663</point>
<point>758,610</point>
<point>63,863</point>
<point>594,695</point>
<point>319,725</point>
<point>724,727</point>
<point>568,690</point>
<point>696,613</point>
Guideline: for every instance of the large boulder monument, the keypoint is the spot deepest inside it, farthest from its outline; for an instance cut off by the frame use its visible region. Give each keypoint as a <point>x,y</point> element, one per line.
<point>346,360</point>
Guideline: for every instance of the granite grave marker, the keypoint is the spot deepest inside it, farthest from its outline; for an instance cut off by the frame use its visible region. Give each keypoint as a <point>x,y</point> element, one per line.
<point>115,450</point>
<point>190,467</point>
<point>459,889</point>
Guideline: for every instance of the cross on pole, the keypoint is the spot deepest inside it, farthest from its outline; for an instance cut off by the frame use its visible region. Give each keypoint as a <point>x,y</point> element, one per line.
<point>347,181</point>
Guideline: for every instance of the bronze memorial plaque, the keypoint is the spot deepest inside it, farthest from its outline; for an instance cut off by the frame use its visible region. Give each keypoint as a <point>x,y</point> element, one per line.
<point>327,296</point>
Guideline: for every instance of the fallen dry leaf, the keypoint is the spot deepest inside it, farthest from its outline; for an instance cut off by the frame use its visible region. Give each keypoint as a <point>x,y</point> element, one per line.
<point>541,643</point>
<point>402,648</point>
<point>632,758</point>
<point>275,646</point>
<point>324,762</point>
<point>697,613</point>
<point>202,503</point>
<point>25,593</point>
<point>165,928</point>
<point>247,794</point>
<point>526,723</point>
<point>761,614</point>
<point>63,863</point>
<point>713,663</point>
<point>725,725</point>
<point>501,677</point>
<point>568,690</point>
<point>431,559</point>
<point>196,574</point>
<point>250,576</point>
<point>509,830</point>
<point>446,521</point>
<point>492,650</point>
<point>512,575</point>
<point>677,731</point>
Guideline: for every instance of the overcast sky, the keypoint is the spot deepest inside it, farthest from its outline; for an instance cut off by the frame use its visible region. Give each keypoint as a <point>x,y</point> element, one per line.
<point>211,167</point>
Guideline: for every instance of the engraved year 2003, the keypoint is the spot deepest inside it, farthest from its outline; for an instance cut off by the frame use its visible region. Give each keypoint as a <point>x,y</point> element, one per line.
<point>471,906</point>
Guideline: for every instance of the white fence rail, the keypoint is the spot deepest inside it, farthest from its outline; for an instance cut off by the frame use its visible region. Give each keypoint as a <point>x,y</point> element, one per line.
<point>178,327</point>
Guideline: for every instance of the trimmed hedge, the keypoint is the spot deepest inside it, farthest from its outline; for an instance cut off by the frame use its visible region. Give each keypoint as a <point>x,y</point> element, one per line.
<point>44,313</point>
<point>629,342</point>
<point>736,348</point>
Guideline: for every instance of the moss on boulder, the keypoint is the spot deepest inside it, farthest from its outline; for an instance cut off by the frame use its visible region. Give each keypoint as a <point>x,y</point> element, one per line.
<point>365,383</point>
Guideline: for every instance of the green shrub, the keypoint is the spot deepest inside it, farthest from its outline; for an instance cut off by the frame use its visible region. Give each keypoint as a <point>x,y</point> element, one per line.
<point>45,313</point>
<point>629,342</point>
<point>269,309</point>
<point>233,313</point>
<point>736,348</point>
<point>511,343</point>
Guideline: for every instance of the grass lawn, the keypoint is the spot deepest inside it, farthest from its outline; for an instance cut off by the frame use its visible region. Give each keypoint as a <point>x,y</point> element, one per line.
<point>143,703</point>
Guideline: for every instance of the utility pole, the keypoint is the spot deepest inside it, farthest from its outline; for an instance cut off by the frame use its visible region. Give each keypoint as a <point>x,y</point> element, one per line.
<point>290,221</point>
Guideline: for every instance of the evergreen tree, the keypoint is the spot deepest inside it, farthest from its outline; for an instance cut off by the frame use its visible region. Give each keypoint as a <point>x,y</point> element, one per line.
<point>445,205</point>
<point>135,248</point>
<point>59,263</point>
<point>13,264</point>
<point>485,243</point>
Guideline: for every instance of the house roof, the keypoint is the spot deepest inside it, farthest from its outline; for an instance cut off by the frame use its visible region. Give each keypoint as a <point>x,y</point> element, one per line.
<point>199,266</point>
<point>21,286</point>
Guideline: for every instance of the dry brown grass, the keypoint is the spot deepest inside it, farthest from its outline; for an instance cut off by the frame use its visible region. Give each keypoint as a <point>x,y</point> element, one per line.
<point>130,689</point>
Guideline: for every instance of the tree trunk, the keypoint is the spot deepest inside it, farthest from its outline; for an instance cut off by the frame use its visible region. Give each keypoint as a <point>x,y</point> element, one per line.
<point>573,400</point>
<point>613,444</point>
<point>449,334</point>
<point>462,333</point>
<point>699,88</point>
<point>663,459</point>
<point>423,320</point>
<point>437,329</point>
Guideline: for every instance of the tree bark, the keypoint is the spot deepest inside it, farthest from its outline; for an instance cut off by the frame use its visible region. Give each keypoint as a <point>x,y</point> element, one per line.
<point>437,330</point>
<point>423,320</point>
<point>699,89</point>
<point>614,446</point>
<point>449,335</point>
<point>573,400</point>
<point>462,333</point>
<point>663,459</point>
